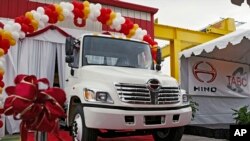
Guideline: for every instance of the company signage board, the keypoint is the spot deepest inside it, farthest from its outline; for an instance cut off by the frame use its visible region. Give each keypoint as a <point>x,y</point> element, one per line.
<point>210,77</point>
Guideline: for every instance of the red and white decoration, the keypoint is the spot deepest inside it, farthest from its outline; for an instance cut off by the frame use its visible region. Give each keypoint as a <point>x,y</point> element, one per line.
<point>39,109</point>
<point>33,20</point>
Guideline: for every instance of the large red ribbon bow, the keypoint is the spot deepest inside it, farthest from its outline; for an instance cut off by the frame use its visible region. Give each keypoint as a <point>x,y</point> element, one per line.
<point>39,109</point>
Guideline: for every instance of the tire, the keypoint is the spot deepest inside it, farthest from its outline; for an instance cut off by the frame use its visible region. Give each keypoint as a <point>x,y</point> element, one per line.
<point>170,134</point>
<point>79,130</point>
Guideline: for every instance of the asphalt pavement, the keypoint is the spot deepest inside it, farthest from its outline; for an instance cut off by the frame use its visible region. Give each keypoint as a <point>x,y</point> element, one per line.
<point>198,138</point>
<point>149,138</point>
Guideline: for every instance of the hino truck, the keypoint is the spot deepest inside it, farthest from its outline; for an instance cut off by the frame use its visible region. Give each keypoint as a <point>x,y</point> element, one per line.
<point>114,87</point>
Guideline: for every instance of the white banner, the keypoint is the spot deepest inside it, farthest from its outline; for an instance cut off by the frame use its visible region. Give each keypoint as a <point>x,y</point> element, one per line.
<point>210,77</point>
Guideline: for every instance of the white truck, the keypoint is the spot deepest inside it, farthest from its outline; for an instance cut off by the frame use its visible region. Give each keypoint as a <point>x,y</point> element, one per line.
<point>113,87</point>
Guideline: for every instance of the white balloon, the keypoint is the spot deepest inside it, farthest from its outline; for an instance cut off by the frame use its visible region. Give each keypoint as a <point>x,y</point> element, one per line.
<point>8,27</point>
<point>37,16</point>
<point>66,13</point>
<point>94,11</point>
<point>33,11</point>
<point>1,64</point>
<point>144,32</point>
<point>71,15</point>
<point>10,22</point>
<point>15,35</point>
<point>63,5</point>
<point>117,22</point>
<point>98,6</point>
<point>70,6</point>
<point>17,27</point>
<point>40,10</point>
<point>122,20</point>
<point>22,35</point>
<point>45,18</point>
<point>139,34</point>
<point>41,25</point>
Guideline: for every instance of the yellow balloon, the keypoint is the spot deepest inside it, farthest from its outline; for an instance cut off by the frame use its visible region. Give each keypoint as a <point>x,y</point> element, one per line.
<point>1,31</point>
<point>1,52</point>
<point>133,30</point>
<point>111,18</point>
<point>154,48</point>
<point>29,15</point>
<point>2,71</point>
<point>12,42</point>
<point>112,15</point>
<point>1,90</point>
<point>86,12</point>
<point>7,35</point>
<point>60,17</point>
<point>86,4</point>
<point>59,9</point>
<point>136,26</point>
<point>35,24</point>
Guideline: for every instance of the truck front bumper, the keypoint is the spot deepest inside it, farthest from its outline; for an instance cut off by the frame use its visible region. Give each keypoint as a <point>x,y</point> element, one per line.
<point>118,118</point>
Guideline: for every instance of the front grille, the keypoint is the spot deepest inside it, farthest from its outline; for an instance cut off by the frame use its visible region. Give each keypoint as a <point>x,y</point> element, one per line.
<point>140,94</point>
<point>168,95</point>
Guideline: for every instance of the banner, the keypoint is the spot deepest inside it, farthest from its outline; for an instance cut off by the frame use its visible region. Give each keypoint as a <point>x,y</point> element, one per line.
<point>210,77</point>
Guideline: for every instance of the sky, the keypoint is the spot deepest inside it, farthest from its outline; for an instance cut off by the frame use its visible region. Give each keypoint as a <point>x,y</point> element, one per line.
<point>195,15</point>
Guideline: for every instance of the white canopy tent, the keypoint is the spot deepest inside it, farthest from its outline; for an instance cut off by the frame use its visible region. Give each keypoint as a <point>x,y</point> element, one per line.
<point>217,74</point>
<point>36,55</point>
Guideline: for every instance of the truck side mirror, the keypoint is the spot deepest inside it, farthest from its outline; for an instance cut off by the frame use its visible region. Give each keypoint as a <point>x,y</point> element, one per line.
<point>158,59</point>
<point>69,59</point>
<point>69,45</point>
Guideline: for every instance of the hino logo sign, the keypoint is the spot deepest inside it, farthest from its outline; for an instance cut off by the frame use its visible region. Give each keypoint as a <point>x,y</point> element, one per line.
<point>212,72</point>
<point>203,75</point>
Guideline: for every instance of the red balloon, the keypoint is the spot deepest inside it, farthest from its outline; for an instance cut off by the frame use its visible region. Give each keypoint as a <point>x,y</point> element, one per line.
<point>18,20</point>
<point>77,5</point>
<point>1,111</point>
<point>78,12</point>
<point>52,7</point>
<point>1,84</point>
<point>5,45</point>
<point>82,24</point>
<point>1,25</point>
<point>127,26</point>
<point>105,15</point>
<point>149,40</point>
<point>154,54</point>
<point>25,23</point>
<point>26,20</point>
<point>1,77</point>
<point>1,123</point>
<point>50,11</point>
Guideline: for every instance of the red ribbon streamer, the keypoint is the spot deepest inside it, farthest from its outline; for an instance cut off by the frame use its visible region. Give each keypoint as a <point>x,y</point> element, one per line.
<point>39,109</point>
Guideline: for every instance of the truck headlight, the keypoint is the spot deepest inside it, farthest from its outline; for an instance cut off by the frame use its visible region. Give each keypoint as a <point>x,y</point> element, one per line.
<point>98,96</point>
<point>185,97</point>
<point>89,95</point>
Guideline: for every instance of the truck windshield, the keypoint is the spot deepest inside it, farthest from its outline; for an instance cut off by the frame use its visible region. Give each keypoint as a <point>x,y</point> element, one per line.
<point>116,52</point>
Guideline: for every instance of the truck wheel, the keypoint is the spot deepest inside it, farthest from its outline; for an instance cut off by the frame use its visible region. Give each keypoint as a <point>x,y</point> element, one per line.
<point>170,134</point>
<point>79,130</point>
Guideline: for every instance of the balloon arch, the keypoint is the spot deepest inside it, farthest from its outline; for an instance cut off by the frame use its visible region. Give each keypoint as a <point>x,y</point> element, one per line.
<point>33,20</point>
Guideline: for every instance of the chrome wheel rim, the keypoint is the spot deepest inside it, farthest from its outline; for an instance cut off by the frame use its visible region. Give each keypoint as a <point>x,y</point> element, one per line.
<point>77,128</point>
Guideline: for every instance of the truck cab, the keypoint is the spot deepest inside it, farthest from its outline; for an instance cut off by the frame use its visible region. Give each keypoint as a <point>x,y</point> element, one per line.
<point>112,85</point>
